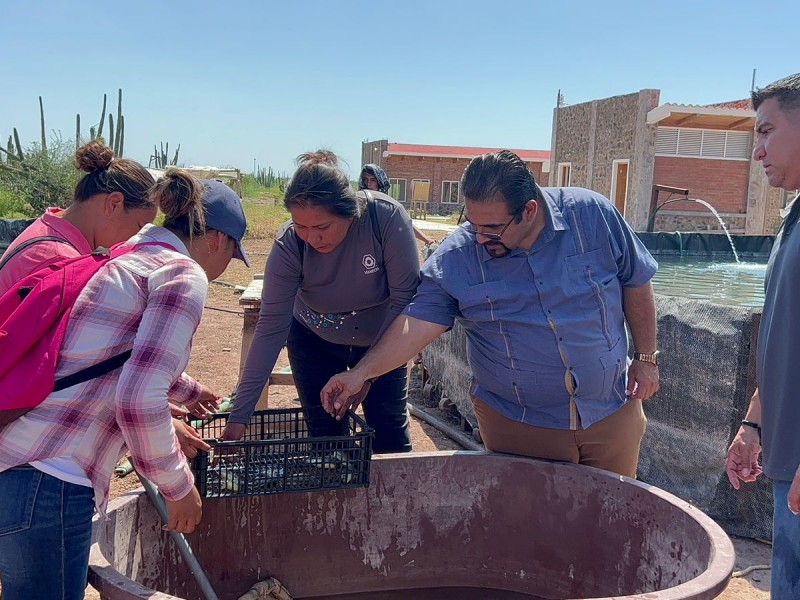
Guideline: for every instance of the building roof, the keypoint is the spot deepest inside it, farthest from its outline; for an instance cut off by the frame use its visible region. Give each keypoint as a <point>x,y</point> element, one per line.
<point>746,104</point>
<point>542,156</point>
<point>724,116</point>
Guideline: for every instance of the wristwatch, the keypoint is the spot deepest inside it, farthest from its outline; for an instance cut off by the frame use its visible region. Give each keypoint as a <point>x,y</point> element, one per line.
<point>651,357</point>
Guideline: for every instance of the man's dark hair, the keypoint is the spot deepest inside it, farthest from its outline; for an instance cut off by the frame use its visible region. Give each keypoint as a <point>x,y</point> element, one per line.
<point>502,173</point>
<point>786,91</point>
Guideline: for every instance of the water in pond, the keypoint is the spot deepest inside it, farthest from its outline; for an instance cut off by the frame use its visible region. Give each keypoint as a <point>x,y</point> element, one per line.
<point>440,593</point>
<point>737,284</point>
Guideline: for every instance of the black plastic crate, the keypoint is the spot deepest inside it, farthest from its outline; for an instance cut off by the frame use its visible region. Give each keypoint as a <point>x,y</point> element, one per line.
<point>278,454</point>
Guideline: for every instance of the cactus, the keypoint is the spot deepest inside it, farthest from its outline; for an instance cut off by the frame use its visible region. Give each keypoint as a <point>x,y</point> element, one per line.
<point>121,130</point>
<point>44,131</point>
<point>118,133</point>
<point>19,154</point>
<point>77,131</point>
<point>160,157</point>
<point>102,118</point>
<point>110,131</point>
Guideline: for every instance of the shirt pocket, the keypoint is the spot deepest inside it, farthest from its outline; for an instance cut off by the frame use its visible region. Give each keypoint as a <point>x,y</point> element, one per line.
<point>485,301</point>
<point>588,271</point>
<point>597,379</point>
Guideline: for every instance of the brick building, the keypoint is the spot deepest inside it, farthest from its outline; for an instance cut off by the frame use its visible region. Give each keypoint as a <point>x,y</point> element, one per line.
<point>432,174</point>
<point>641,154</point>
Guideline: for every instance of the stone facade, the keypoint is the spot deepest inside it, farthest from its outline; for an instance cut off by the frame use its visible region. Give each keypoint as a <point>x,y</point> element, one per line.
<point>668,220</point>
<point>592,135</point>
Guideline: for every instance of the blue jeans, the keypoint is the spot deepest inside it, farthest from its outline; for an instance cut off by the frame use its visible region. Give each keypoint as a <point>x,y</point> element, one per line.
<point>785,583</point>
<point>314,361</point>
<point>45,535</point>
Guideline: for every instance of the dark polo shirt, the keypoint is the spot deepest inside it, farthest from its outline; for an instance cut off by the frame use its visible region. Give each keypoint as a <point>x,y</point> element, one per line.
<point>779,354</point>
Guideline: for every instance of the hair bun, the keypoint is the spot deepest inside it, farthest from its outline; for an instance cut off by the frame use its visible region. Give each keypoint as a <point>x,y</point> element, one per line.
<point>93,156</point>
<point>320,157</point>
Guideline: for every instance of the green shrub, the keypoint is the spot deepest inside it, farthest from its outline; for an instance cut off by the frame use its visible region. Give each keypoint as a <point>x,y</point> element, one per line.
<point>251,188</point>
<point>42,178</point>
<point>11,205</point>
<point>263,219</point>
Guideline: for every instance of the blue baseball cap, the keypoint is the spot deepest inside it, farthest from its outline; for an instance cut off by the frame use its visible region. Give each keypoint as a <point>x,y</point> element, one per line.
<point>224,213</point>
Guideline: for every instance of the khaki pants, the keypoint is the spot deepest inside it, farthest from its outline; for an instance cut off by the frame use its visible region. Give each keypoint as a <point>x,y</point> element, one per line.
<point>611,444</point>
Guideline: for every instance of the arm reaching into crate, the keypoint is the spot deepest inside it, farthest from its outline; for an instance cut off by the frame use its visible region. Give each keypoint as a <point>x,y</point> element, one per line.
<point>403,340</point>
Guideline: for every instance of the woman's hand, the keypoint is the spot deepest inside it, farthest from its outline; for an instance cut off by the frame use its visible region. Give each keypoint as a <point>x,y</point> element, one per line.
<point>206,405</point>
<point>184,514</point>
<point>233,431</point>
<point>189,439</point>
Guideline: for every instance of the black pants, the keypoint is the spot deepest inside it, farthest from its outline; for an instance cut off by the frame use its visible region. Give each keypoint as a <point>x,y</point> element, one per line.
<point>314,361</point>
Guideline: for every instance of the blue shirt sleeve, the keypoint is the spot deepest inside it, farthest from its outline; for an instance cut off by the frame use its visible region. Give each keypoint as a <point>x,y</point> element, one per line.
<point>432,302</point>
<point>635,265</point>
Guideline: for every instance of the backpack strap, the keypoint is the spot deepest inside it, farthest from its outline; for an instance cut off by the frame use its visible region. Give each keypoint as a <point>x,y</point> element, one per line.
<point>92,372</point>
<point>373,216</point>
<point>113,362</point>
<point>31,242</point>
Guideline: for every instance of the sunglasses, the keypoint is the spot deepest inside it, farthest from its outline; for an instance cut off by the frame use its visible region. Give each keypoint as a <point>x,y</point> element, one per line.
<point>493,237</point>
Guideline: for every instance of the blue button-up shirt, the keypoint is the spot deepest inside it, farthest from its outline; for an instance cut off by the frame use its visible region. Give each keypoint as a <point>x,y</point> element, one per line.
<point>545,328</point>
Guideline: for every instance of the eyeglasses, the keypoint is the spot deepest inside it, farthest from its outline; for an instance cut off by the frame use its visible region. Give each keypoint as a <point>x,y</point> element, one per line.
<point>493,237</point>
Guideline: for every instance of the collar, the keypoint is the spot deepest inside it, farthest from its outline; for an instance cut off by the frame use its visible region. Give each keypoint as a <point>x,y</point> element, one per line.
<point>66,230</point>
<point>553,221</point>
<point>155,233</point>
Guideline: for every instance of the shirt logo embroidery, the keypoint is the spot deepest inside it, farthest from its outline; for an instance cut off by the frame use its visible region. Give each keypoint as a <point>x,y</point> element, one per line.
<point>370,264</point>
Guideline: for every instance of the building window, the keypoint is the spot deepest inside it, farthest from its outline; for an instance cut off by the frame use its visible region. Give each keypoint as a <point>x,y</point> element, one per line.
<point>397,189</point>
<point>420,190</point>
<point>564,174</point>
<point>703,143</point>
<point>450,192</point>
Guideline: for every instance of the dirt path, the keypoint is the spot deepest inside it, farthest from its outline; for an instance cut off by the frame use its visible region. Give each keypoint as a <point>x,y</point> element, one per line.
<point>215,361</point>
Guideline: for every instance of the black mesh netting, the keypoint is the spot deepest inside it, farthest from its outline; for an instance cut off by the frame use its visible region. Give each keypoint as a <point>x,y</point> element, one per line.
<point>707,377</point>
<point>11,228</point>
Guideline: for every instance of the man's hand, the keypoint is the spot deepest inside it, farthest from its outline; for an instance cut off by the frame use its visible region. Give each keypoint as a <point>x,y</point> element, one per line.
<point>205,406</point>
<point>189,439</point>
<point>184,514</point>
<point>794,493</point>
<point>643,380</point>
<point>742,462</point>
<point>344,391</point>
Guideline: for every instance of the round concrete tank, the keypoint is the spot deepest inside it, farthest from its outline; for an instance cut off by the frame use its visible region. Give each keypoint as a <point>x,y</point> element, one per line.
<point>441,525</point>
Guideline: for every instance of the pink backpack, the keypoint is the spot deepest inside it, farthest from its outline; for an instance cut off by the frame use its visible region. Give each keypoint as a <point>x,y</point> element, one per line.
<point>33,320</point>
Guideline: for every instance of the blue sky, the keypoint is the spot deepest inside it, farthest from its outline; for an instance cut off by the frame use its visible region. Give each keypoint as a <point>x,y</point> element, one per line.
<point>237,81</point>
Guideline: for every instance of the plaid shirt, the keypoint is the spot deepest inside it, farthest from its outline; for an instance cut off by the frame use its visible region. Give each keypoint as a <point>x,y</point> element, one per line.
<point>150,300</point>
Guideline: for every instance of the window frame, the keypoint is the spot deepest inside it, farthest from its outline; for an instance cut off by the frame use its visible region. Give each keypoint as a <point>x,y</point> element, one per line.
<point>458,192</point>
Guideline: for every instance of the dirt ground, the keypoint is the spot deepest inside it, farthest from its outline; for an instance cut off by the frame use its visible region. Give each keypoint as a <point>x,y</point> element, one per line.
<point>215,362</point>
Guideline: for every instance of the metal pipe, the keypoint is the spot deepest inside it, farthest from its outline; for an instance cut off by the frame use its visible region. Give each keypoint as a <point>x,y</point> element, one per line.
<point>454,434</point>
<point>180,541</point>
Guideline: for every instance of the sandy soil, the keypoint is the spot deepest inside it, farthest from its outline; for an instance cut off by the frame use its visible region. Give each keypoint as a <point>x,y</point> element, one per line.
<point>215,362</point>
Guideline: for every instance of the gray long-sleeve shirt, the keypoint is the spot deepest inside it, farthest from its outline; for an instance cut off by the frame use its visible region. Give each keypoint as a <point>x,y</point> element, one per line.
<point>347,296</point>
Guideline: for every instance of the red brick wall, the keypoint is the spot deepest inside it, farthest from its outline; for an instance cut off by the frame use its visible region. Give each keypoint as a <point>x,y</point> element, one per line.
<point>723,183</point>
<point>436,170</point>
